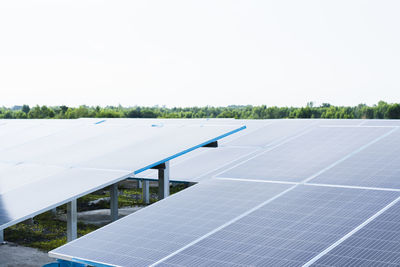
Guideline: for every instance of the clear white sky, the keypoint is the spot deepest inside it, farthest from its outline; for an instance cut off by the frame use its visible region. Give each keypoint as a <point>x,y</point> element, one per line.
<point>204,52</point>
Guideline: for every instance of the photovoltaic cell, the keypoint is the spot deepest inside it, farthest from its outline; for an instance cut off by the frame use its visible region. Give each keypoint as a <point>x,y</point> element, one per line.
<point>377,166</point>
<point>289,231</point>
<point>160,229</point>
<point>376,244</point>
<point>305,155</point>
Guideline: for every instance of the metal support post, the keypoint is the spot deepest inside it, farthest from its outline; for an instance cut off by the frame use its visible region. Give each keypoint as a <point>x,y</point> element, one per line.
<point>1,236</point>
<point>114,202</point>
<point>146,191</point>
<point>72,221</point>
<point>163,181</point>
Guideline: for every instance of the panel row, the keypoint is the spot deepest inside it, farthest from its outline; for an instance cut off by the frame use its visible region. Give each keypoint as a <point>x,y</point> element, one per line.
<point>231,222</point>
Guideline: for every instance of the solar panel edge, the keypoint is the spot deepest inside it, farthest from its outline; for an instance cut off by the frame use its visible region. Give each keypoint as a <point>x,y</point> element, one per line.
<point>79,260</point>
<point>191,149</point>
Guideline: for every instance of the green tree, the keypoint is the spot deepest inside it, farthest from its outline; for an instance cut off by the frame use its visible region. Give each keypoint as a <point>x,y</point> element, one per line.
<point>25,109</point>
<point>393,112</point>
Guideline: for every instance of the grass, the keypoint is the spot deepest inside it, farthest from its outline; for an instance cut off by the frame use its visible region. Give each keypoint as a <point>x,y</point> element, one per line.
<point>47,232</point>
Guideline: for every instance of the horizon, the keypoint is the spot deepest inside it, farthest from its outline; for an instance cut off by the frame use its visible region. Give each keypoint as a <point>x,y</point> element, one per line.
<point>308,104</point>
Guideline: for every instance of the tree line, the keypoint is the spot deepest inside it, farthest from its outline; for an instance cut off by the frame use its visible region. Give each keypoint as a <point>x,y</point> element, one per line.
<point>382,110</point>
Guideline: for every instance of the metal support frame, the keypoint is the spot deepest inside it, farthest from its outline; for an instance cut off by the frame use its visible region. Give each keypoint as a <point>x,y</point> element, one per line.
<point>146,191</point>
<point>163,181</point>
<point>114,202</point>
<point>159,166</point>
<point>72,220</point>
<point>212,144</point>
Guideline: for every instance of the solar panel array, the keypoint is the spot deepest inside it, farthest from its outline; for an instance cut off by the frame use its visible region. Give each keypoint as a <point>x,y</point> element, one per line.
<point>51,162</point>
<point>285,193</point>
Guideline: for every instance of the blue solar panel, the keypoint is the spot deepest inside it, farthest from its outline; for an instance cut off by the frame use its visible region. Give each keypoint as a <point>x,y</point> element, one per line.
<point>377,244</point>
<point>377,166</point>
<point>288,231</point>
<point>305,155</point>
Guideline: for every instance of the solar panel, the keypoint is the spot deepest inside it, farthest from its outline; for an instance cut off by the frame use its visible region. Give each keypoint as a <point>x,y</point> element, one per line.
<point>189,228</point>
<point>377,166</point>
<point>305,155</point>
<point>168,225</point>
<point>55,166</point>
<point>289,231</point>
<point>377,244</point>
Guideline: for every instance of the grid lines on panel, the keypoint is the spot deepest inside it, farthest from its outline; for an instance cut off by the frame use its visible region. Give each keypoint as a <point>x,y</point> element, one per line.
<point>304,156</point>
<point>377,166</point>
<point>290,230</point>
<point>164,227</point>
<point>377,244</point>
